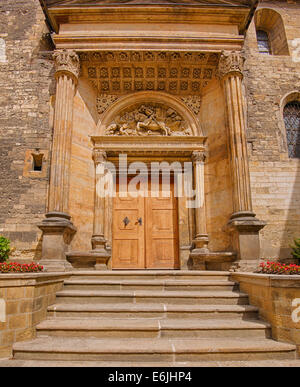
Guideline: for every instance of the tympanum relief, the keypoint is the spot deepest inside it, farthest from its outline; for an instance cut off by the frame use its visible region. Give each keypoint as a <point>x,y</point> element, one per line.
<point>149,120</point>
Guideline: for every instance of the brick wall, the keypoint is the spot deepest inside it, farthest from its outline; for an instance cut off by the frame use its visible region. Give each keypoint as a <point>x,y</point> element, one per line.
<point>26,83</point>
<point>275,178</point>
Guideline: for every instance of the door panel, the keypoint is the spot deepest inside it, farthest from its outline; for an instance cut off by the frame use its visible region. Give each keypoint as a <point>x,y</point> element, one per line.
<point>161,232</point>
<point>128,239</point>
<point>151,244</point>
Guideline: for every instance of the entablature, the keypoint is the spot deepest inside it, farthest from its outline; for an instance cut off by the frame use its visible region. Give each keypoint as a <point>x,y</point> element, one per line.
<point>149,25</point>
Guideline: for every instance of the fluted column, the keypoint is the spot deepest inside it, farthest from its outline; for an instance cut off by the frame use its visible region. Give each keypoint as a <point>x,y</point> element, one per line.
<point>57,227</point>
<point>201,237</point>
<point>230,72</point>
<point>243,223</point>
<point>98,238</point>
<point>200,253</point>
<point>67,71</point>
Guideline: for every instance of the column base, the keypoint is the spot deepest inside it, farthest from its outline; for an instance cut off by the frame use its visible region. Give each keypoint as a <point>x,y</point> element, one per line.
<point>207,260</point>
<point>92,260</point>
<point>58,231</point>
<point>245,227</point>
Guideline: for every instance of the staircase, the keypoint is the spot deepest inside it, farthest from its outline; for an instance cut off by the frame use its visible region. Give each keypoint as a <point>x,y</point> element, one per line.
<point>152,318</point>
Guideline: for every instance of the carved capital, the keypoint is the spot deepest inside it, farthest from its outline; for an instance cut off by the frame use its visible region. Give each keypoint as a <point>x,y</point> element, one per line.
<point>99,156</point>
<point>67,61</point>
<point>199,157</point>
<point>231,63</point>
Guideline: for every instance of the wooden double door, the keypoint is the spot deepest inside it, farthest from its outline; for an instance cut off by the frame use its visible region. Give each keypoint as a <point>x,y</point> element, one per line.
<point>145,230</point>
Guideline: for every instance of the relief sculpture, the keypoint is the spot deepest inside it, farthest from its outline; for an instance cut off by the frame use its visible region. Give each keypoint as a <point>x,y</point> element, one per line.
<point>149,120</point>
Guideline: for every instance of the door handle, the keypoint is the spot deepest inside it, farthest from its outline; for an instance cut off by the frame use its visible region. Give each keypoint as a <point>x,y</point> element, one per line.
<point>140,221</point>
<point>126,221</point>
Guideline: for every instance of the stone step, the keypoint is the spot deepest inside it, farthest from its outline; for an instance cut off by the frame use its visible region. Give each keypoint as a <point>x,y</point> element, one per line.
<point>151,275</point>
<point>160,284</point>
<point>66,364</point>
<point>155,328</point>
<point>146,296</point>
<point>151,350</point>
<point>147,311</point>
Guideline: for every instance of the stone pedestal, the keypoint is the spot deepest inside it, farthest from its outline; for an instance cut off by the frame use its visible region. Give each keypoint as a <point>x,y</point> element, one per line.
<point>243,224</point>
<point>58,231</point>
<point>245,227</point>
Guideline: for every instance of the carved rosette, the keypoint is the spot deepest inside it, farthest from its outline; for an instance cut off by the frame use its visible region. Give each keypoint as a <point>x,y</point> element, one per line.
<point>104,101</point>
<point>193,102</point>
<point>231,63</point>
<point>67,62</point>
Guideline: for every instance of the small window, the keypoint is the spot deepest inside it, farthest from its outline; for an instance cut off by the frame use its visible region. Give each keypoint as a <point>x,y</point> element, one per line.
<point>37,162</point>
<point>291,116</point>
<point>263,42</point>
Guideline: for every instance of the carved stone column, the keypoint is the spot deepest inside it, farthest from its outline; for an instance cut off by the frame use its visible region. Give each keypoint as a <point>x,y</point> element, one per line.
<point>57,227</point>
<point>200,251</point>
<point>243,223</point>
<point>98,238</point>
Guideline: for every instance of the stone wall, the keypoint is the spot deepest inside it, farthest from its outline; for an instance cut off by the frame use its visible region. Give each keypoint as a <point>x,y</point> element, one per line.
<point>26,83</point>
<point>82,171</point>
<point>26,298</point>
<point>274,296</point>
<point>275,178</point>
<point>218,186</point>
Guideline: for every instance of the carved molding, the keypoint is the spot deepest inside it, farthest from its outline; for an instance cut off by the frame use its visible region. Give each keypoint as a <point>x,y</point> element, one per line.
<point>67,61</point>
<point>104,101</point>
<point>231,62</point>
<point>193,102</point>
<point>149,120</point>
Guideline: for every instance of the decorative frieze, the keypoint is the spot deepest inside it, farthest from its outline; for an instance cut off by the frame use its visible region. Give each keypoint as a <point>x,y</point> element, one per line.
<point>149,119</point>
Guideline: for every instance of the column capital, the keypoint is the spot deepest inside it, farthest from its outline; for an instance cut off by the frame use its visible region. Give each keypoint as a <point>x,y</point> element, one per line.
<point>231,63</point>
<point>99,156</point>
<point>199,157</point>
<point>67,61</point>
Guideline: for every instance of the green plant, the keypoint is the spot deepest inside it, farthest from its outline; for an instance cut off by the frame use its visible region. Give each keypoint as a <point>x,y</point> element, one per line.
<point>4,248</point>
<point>296,249</point>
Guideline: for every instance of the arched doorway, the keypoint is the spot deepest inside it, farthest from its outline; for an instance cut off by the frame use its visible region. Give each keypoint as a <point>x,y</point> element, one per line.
<point>154,229</point>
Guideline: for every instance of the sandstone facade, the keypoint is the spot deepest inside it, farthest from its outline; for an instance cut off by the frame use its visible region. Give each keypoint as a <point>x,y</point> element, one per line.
<point>28,89</point>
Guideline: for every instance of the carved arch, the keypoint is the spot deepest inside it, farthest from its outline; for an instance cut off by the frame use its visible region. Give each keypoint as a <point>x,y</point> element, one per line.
<point>141,98</point>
